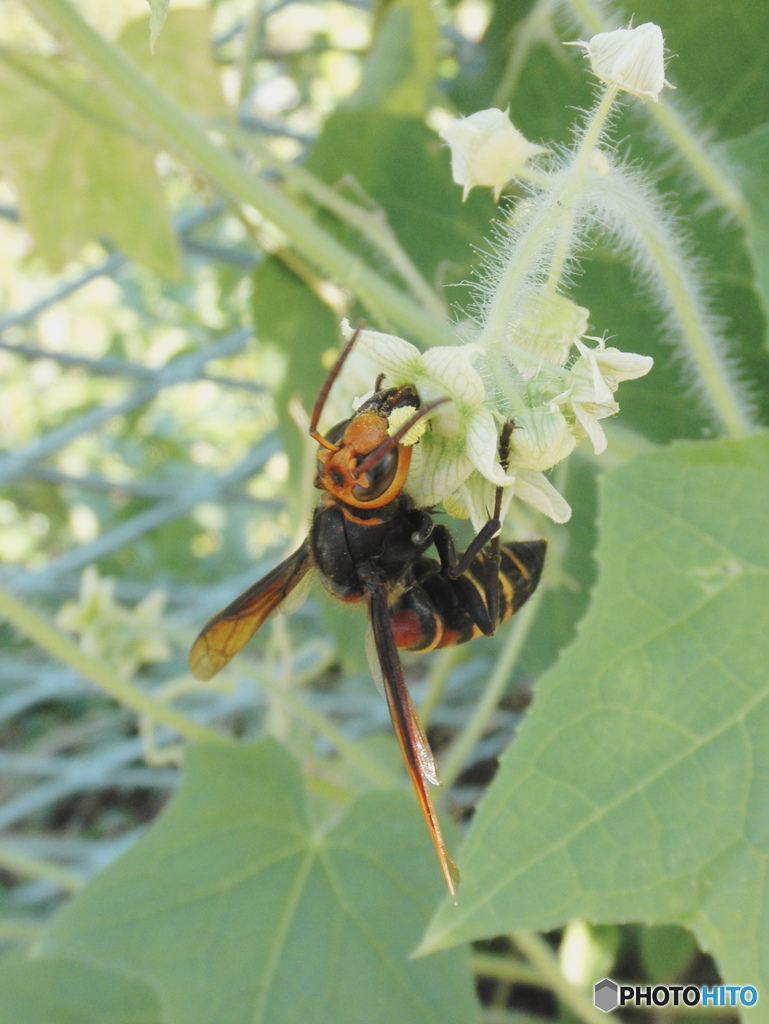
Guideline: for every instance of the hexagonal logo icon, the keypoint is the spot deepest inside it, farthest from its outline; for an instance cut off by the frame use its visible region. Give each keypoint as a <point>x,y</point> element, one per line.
<point>606,995</point>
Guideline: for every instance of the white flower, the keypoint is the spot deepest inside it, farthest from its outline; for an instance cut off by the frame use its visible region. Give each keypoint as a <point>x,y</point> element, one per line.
<point>123,638</point>
<point>475,499</point>
<point>487,150</point>
<point>541,439</point>
<point>463,434</point>
<point>536,490</point>
<point>592,381</point>
<point>632,59</point>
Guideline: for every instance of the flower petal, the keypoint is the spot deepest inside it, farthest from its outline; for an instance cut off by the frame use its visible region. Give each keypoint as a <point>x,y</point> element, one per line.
<point>589,421</point>
<point>617,366</point>
<point>438,467</point>
<point>547,331</point>
<point>451,366</point>
<point>387,353</point>
<point>482,447</point>
<point>480,497</point>
<point>448,372</point>
<point>542,438</point>
<point>536,490</point>
<point>487,150</point>
<point>631,58</point>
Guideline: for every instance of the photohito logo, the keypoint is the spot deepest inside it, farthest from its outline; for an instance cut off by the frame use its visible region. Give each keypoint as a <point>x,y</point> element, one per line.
<point>608,995</point>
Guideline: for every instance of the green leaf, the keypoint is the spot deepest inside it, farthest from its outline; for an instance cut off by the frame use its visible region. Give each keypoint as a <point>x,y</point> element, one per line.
<point>182,66</point>
<point>158,13</point>
<point>398,75</point>
<point>234,908</point>
<point>718,57</point>
<point>638,789</point>
<point>41,991</point>
<point>80,171</point>
<point>405,168</point>
<point>572,549</point>
<point>749,161</point>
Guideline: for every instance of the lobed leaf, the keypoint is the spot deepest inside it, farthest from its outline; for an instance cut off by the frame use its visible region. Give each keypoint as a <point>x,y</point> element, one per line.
<point>36,990</point>
<point>234,908</point>
<point>638,789</point>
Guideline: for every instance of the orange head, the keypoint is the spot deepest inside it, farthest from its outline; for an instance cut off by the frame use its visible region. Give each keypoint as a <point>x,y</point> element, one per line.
<point>359,461</point>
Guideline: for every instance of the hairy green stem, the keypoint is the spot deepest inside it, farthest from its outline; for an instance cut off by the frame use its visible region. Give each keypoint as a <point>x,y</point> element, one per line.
<point>567,195</point>
<point>689,146</point>
<point>555,221</point>
<point>59,647</point>
<point>180,132</point>
<point>527,251</point>
<point>661,252</point>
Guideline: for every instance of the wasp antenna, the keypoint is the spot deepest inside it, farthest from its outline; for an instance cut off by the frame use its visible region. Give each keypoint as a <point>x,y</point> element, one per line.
<point>320,401</point>
<point>373,458</point>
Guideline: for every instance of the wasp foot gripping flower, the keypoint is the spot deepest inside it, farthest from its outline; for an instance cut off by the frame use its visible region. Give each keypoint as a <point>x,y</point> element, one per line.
<point>630,59</point>
<point>488,150</point>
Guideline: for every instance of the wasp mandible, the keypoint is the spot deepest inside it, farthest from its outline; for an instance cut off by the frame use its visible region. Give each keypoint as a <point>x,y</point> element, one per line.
<point>367,544</point>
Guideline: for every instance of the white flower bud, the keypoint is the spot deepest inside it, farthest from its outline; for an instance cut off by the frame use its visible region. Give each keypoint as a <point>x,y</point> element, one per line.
<point>487,150</point>
<point>631,58</point>
<point>541,439</point>
<point>548,332</point>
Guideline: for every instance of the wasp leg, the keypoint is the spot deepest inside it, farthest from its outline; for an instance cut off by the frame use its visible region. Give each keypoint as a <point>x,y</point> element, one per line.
<point>454,570</point>
<point>423,528</point>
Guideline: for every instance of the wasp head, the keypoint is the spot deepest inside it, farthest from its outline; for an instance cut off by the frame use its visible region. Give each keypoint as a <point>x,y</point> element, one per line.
<point>361,461</point>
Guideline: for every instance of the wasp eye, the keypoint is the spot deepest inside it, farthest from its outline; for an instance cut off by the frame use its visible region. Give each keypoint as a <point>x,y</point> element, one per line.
<point>334,436</point>
<point>380,477</point>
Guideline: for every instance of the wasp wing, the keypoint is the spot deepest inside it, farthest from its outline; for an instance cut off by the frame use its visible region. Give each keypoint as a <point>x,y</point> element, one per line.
<point>411,736</point>
<point>230,630</point>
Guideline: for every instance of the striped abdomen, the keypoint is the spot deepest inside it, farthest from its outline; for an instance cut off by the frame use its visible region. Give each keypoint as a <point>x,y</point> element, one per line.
<point>440,612</point>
